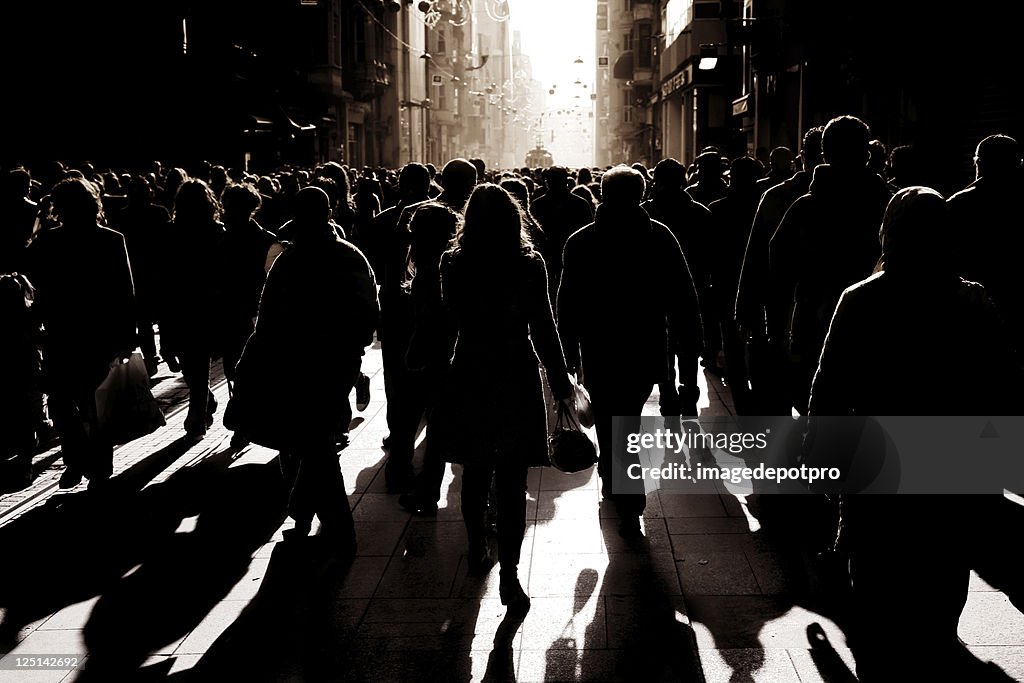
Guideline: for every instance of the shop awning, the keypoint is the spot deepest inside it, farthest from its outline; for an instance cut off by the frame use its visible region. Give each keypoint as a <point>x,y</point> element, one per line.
<point>623,68</point>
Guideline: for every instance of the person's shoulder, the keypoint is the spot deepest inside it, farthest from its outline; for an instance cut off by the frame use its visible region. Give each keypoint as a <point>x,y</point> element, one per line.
<point>110,235</point>
<point>582,236</point>
<point>534,260</point>
<point>867,289</point>
<point>963,196</point>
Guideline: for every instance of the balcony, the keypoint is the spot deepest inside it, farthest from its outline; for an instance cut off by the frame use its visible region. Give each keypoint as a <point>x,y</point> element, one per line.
<point>643,11</point>
<point>367,80</point>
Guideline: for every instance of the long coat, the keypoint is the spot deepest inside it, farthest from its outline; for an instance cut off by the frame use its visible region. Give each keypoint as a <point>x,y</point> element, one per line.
<point>317,315</point>
<point>492,404</point>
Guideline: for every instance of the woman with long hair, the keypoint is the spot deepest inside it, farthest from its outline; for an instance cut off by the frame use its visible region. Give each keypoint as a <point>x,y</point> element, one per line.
<point>191,324</point>
<point>491,418</point>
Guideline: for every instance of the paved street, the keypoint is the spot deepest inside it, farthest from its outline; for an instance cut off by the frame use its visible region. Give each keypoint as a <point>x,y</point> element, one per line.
<point>182,575</point>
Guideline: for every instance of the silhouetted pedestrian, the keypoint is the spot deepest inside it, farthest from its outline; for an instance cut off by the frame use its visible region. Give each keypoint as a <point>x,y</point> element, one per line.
<point>491,417</point>
<point>85,300</point>
<point>826,242</point>
<point>625,293</point>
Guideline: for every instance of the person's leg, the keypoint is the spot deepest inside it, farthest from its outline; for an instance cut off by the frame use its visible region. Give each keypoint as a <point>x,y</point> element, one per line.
<point>99,450</point>
<point>195,368</point>
<point>617,407</point>
<point>510,477</point>
<point>476,487</point>
<point>329,497</point>
<point>71,431</point>
<point>405,407</point>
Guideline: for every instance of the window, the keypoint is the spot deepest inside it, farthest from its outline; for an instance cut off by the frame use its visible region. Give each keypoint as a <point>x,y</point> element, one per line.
<point>627,41</point>
<point>442,47</point>
<point>644,51</point>
<point>627,105</point>
<point>706,10</point>
<point>442,97</point>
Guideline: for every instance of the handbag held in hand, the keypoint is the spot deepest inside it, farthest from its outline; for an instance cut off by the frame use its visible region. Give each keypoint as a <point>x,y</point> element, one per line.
<point>569,448</point>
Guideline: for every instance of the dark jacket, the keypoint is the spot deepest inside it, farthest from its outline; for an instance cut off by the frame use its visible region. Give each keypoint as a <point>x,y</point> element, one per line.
<point>691,225</point>
<point>733,217</point>
<point>990,216</point>
<point>492,404</point>
<point>192,319</point>
<point>827,241</point>
<point>559,214</point>
<point>85,299</point>
<point>624,287</point>
<point>242,271</point>
<point>755,310</point>
<point>317,315</point>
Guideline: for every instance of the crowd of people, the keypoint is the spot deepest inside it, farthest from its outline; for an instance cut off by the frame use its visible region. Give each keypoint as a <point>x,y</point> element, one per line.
<point>806,285</point>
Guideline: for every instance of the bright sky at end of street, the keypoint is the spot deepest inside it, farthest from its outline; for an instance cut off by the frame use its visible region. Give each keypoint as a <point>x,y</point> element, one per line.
<point>555,33</point>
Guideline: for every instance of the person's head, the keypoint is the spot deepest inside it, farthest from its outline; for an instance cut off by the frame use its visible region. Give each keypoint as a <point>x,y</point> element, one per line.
<point>481,169</point>
<point>175,177</point>
<point>709,165</point>
<point>669,176</point>
<point>557,179</point>
<point>642,170</point>
<point>240,203</point>
<point>517,188</point>
<point>329,186</point>
<point>195,204</point>
<point>997,156</point>
<point>432,228</point>
<point>744,172</point>
<point>414,182</point>
<point>494,227</point>
<point>844,143</point>
<point>622,187</point>
<point>312,207</point>
<point>904,167</point>
<point>75,202</point>
<point>139,190</point>
<point>781,160</point>
<point>458,177</point>
<point>583,192</point>
<point>810,148</point>
<point>17,184</point>
<point>585,176</point>
<point>218,179</point>
<point>915,233</point>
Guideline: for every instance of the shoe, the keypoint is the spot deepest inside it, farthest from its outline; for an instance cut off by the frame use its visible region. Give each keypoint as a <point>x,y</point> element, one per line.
<point>412,503</point>
<point>239,441</point>
<point>194,436</point>
<point>70,478</point>
<point>629,528</point>
<point>362,392</point>
<point>512,594</point>
<point>99,484</point>
<point>173,364</point>
<point>151,366</point>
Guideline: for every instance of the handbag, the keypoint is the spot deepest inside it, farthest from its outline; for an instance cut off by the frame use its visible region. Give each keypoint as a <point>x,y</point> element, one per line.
<point>570,449</point>
<point>125,406</point>
<point>584,411</point>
